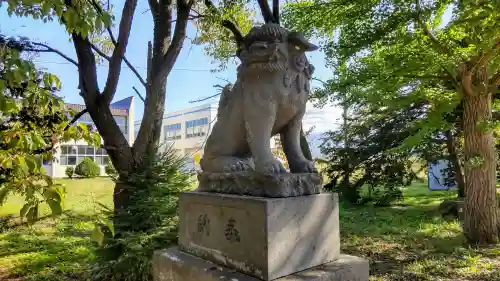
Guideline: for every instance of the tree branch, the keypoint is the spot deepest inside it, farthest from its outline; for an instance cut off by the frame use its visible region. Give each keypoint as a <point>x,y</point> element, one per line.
<point>100,53</point>
<point>119,51</point>
<point>276,11</point>
<point>149,62</point>
<point>87,68</point>
<point>134,71</point>
<point>75,118</point>
<point>139,94</point>
<point>495,80</point>
<point>266,11</point>
<point>127,62</point>
<point>52,50</point>
<point>427,30</point>
<point>176,43</point>
<point>484,59</point>
<point>204,99</point>
<point>153,6</point>
<point>232,26</point>
<point>99,10</point>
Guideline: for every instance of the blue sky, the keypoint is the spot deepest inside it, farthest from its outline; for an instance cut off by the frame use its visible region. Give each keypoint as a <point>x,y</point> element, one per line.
<point>190,79</point>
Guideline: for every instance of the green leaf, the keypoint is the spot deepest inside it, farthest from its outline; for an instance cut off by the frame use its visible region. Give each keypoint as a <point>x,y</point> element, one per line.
<point>32,214</point>
<point>24,210</point>
<point>97,234</point>
<point>4,192</point>
<point>109,225</point>
<point>21,163</point>
<point>106,19</point>
<point>51,193</point>
<point>55,207</point>
<point>33,163</point>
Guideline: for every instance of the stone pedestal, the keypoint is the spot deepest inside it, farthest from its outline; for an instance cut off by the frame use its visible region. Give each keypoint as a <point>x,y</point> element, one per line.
<point>245,238</point>
<point>174,265</point>
<point>263,237</point>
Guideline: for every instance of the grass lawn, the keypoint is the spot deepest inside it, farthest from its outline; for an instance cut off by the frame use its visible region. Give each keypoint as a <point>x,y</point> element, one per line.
<point>405,242</point>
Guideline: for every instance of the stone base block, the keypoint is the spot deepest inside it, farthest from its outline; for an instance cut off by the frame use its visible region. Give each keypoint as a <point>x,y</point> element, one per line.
<point>255,184</point>
<point>263,237</point>
<point>174,265</point>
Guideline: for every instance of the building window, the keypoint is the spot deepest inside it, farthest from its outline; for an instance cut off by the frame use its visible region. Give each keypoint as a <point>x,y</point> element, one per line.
<point>197,128</point>
<point>74,154</point>
<point>173,132</point>
<point>122,124</point>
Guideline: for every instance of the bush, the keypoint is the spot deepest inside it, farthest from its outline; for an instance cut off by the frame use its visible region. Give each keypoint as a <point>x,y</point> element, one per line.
<point>386,196</point>
<point>149,222</point>
<point>111,171</point>
<point>88,169</point>
<point>70,172</point>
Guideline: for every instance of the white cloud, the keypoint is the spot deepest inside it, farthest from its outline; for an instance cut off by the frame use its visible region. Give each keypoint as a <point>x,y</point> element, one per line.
<point>324,119</point>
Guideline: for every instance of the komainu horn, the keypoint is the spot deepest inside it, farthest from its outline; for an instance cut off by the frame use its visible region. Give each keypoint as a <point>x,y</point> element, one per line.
<point>268,98</point>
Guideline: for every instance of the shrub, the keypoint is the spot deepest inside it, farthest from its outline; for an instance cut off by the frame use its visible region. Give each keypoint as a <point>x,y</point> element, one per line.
<point>87,168</point>
<point>451,209</point>
<point>111,171</point>
<point>6,222</point>
<point>149,222</point>
<point>70,171</point>
<point>386,196</point>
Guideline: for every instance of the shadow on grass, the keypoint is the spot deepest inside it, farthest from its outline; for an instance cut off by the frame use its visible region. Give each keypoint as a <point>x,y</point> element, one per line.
<point>50,250</point>
<point>414,243</point>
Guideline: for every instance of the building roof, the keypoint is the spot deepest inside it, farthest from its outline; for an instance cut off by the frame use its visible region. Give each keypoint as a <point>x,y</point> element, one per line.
<point>119,108</point>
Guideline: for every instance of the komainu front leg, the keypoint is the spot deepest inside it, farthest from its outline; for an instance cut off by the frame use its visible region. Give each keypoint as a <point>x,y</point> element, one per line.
<point>259,123</point>
<point>226,164</point>
<point>290,139</point>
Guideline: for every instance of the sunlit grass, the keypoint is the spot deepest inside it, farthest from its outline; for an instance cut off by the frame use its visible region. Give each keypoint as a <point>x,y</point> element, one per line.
<point>407,241</point>
<point>410,241</point>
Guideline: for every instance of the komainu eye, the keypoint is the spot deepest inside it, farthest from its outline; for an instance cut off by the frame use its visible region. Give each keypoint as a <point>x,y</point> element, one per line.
<point>297,48</point>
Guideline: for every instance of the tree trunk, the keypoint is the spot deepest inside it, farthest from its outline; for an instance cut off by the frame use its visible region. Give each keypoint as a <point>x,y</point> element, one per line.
<point>455,161</point>
<point>481,213</point>
<point>305,146</point>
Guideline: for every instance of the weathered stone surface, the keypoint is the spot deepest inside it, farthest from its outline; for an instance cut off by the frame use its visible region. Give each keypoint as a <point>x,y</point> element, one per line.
<point>255,184</point>
<point>263,237</point>
<point>269,97</point>
<point>174,265</point>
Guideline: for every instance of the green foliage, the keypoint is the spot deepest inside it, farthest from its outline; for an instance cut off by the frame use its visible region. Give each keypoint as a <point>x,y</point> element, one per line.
<point>81,16</point>
<point>363,149</point>
<point>218,41</point>
<point>384,197</point>
<point>149,223</point>
<point>33,119</point>
<point>87,168</point>
<point>111,171</point>
<point>70,172</point>
<point>392,54</point>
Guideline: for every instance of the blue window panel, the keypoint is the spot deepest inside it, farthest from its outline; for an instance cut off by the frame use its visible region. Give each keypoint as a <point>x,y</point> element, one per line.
<point>173,127</point>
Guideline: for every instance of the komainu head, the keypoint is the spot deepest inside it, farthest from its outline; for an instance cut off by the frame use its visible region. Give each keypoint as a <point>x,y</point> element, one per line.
<point>273,48</point>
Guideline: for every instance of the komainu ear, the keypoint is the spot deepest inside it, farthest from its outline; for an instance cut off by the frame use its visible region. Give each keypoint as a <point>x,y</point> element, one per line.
<point>301,42</point>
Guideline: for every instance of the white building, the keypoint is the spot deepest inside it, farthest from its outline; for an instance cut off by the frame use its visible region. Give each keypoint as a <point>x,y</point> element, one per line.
<point>187,130</point>
<point>69,154</point>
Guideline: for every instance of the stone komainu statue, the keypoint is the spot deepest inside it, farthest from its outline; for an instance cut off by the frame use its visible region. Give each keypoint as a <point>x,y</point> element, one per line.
<point>268,97</point>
